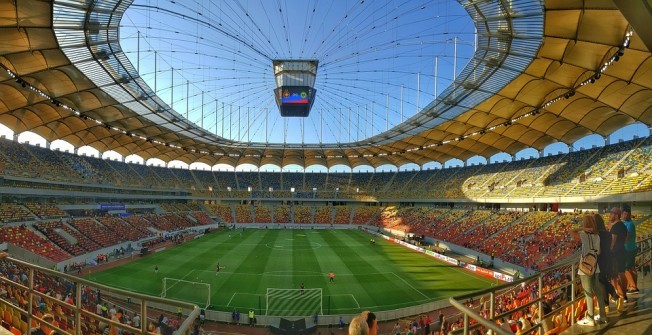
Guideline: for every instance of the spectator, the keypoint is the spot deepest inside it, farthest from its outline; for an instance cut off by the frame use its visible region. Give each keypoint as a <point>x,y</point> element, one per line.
<point>604,259</point>
<point>587,234</point>
<point>618,236</point>
<point>44,329</point>
<point>630,251</point>
<point>358,326</point>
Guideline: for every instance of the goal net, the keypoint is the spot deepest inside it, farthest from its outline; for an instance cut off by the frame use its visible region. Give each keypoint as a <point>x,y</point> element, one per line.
<point>190,291</point>
<point>294,302</point>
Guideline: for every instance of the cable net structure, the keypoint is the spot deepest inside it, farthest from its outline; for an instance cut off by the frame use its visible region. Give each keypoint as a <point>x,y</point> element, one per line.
<point>380,62</point>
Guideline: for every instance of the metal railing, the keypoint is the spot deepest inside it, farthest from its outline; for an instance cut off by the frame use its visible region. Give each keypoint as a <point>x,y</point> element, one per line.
<point>30,291</point>
<point>568,268</point>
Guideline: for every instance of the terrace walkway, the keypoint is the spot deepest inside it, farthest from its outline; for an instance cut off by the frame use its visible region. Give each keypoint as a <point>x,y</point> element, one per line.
<point>637,320</point>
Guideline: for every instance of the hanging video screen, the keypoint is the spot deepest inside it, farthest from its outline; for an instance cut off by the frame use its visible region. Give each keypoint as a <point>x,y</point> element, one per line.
<point>296,95</point>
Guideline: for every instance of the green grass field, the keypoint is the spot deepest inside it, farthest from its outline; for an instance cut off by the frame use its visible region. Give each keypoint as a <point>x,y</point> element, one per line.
<point>378,277</point>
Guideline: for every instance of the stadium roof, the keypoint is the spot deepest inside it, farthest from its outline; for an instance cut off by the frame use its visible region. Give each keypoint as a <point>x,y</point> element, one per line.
<point>539,76</point>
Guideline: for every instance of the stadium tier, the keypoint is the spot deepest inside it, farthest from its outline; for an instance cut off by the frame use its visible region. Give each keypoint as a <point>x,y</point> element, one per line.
<point>619,168</point>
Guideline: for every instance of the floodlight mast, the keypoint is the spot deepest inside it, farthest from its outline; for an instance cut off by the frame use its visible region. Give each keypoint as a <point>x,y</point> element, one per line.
<point>295,81</point>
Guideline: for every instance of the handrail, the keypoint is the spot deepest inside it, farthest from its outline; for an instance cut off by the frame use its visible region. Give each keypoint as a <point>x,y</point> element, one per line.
<point>77,307</point>
<point>644,246</point>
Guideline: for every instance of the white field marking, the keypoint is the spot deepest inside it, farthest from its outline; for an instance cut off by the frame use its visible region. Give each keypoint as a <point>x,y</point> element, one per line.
<point>486,280</point>
<point>356,300</point>
<point>184,277</point>
<point>410,285</point>
<point>233,296</point>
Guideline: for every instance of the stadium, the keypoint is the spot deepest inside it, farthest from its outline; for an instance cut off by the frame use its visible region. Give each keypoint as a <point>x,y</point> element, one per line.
<point>279,167</point>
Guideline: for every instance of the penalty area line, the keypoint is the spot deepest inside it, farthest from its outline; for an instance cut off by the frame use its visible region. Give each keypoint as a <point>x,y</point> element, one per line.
<point>233,296</point>
<point>410,285</point>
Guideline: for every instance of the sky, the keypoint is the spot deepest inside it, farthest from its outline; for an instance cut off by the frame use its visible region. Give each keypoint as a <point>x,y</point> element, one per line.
<point>212,61</point>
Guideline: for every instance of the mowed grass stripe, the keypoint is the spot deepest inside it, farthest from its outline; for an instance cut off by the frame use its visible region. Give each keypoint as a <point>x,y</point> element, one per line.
<point>249,260</point>
<point>373,274</point>
<point>380,277</point>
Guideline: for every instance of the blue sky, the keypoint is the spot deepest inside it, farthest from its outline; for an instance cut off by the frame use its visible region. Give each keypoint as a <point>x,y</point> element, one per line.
<point>376,61</point>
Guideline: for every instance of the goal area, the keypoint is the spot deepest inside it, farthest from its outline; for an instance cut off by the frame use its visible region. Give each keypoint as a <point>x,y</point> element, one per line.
<point>198,293</point>
<point>294,302</point>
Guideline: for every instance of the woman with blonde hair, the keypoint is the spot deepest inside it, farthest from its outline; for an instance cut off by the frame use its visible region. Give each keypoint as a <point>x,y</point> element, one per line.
<point>588,235</point>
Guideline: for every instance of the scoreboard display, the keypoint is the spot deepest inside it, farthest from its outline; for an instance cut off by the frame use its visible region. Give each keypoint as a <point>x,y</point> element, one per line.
<point>294,101</point>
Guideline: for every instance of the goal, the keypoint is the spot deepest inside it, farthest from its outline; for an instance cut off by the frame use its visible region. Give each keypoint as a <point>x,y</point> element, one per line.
<point>294,302</point>
<point>190,291</point>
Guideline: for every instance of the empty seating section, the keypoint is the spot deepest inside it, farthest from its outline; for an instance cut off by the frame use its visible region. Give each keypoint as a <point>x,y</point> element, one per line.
<point>16,159</point>
<point>139,222</point>
<point>342,215</point>
<point>420,218</point>
<point>359,182</point>
<point>99,169</point>
<point>193,206</point>
<point>262,214</point>
<point>619,168</point>
<point>243,214</point>
<point>82,240</point>
<point>338,181</point>
<point>302,214</point>
<point>126,175</point>
<point>202,218</point>
<point>167,177</point>
<point>292,180</point>
<point>45,210</point>
<point>225,180</point>
<point>378,182</point>
<point>179,207</point>
<point>270,179</point>
<point>13,213</point>
<point>185,178</point>
<point>50,230</point>
<point>248,180</point>
<point>322,215</point>
<point>206,180</point>
<point>517,234</point>
<point>282,214</point>
<point>644,228</point>
<point>461,226</point>
<point>48,164</point>
<point>96,232</point>
<point>23,237</point>
<point>316,180</point>
<point>369,215</point>
<point>475,237</point>
<point>547,245</point>
<point>447,218</point>
<point>123,229</point>
<point>223,212</point>
<point>147,177</point>
<point>169,221</point>
<point>392,218</point>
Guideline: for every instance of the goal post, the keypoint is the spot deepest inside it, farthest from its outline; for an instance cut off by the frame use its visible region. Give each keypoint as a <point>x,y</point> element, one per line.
<point>294,302</point>
<point>198,293</point>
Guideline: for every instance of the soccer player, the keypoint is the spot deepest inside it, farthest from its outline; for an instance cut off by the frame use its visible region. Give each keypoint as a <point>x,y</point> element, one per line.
<point>331,277</point>
<point>155,268</point>
<point>302,288</point>
<point>217,268</point>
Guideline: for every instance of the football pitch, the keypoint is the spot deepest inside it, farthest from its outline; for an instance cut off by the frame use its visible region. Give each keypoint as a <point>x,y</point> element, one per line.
<point>264,269</point>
